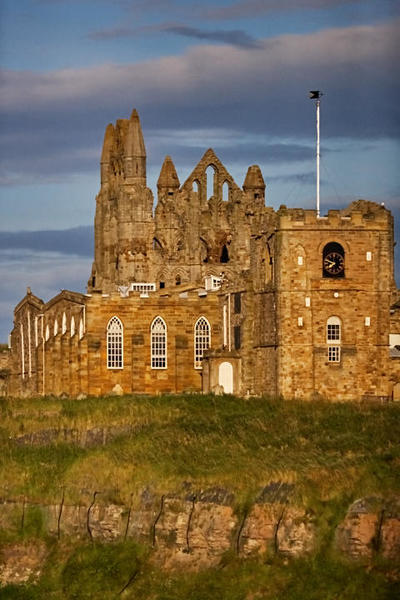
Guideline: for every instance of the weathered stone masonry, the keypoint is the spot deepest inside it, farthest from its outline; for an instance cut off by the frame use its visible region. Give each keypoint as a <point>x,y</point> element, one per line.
<point>290,303</point>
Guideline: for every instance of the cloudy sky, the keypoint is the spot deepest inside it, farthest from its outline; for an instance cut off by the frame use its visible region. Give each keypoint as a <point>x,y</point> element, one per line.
<point>233,75</point>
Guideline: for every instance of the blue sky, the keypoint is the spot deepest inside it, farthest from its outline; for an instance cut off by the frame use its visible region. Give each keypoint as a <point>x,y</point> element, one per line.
<point>233,75</point>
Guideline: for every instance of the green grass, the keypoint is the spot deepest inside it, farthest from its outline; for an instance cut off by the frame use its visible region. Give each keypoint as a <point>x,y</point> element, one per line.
<point>125,570</point>
<point>327,450</point>
<point>332,454</point>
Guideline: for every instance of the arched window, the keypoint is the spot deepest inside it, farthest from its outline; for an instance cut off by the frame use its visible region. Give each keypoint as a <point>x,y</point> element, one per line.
<point>225,191</point>
<point>333,338</point>
<point>210,176</point>
<point>202,340</point>
<point>158,334</point>
<point>178,280</point>
<point>55,331</point>
<point>72,326</point>
<point>47,333</point>
<point>224,258</point>
<point>333,260</point>
<point>115,344</point>
<point>64,324</point>
<point>81,329</point>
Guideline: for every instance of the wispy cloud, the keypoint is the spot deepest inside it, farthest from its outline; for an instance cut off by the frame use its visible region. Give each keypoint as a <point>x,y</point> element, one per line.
<point>235,37</point>
<point>262,89</point>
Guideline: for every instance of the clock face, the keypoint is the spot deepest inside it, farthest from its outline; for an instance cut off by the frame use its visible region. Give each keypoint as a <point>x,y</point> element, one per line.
<point>334,263</point>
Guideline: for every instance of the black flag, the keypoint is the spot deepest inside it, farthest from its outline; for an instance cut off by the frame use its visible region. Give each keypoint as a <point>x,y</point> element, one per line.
<point>315,94</point>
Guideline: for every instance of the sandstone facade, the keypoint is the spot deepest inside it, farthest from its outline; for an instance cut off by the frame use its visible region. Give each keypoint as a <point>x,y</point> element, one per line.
<point>214,290</point>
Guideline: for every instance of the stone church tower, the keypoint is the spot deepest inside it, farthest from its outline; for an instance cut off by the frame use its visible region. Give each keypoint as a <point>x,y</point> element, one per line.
<point>124,225</point>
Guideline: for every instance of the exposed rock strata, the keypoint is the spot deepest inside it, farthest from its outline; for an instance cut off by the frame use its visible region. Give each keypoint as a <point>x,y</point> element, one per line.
<point>194,531</point>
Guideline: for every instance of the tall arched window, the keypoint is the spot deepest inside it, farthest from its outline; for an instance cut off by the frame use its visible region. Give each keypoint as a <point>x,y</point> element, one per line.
<point>81,329</point>
<point>158,334</point>
<point>72,326</point>
<point>210,178</point>
<point>333,338</point>
<point>64,324</point>
<point>202,340</point>
<point>55,331</point>
<point>115,344</point>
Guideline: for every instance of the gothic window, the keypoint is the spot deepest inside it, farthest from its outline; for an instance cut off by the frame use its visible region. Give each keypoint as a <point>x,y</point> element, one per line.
<point>225,191</point>
<point>224,258</point>
<point>202,340</point>
<point>72,326</point>
<point>47,333</point>
<point>158,335</point>
<point>64,324</point>
<point>333,338</point>
<point>55,331</point>
<point>81,329</point>
<point>115,344</point>
<point>210,176</point>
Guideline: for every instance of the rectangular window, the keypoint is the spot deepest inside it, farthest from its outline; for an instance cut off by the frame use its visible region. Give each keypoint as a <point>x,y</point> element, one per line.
<point>237,303</point>
<point>143,287</point>
<point>334,354</point>
<point>236,337</point>
<point>333,332</point>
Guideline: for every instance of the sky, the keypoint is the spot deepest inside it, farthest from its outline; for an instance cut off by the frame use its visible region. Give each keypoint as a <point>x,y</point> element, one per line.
<point>231,75</point>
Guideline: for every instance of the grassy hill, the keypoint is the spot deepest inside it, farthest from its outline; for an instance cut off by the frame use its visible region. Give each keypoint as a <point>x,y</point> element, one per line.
<point>331,453</point>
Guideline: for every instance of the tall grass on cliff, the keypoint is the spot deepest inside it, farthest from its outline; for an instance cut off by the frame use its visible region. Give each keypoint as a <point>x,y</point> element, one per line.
<point>124,570</point>
<point>331,452</point>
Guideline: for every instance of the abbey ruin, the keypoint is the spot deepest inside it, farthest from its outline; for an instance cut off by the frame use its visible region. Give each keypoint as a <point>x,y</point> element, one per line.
<point>219,293</point>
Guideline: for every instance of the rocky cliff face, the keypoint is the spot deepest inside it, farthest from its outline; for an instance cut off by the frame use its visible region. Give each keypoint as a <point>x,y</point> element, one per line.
<point>194,531</point>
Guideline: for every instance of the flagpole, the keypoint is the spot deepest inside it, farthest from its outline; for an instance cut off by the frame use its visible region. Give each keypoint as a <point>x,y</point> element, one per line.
<point>316,95</point>
<point>318,102</point>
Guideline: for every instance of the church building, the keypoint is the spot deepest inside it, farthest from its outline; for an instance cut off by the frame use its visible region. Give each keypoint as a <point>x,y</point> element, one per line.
<point>213,290</point>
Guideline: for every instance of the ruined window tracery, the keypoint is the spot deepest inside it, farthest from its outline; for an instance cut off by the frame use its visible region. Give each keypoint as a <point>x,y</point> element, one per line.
<point>225,191</point>
<point>158,338</point>
<point>210,178</point>
<point>115,346</point>
<point>202,340</point>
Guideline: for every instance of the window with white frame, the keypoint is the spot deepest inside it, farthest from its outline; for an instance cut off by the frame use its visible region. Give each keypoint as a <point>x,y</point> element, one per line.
<point>202,340</point>
<point>158,344</point>
<point>142,287</point>
<point>333,338</point>
<point>115,344</point>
